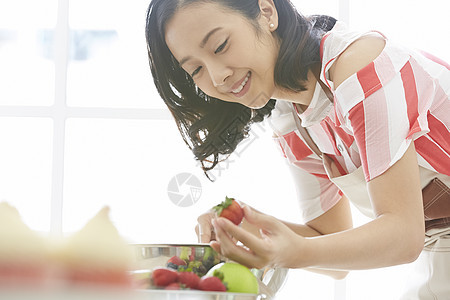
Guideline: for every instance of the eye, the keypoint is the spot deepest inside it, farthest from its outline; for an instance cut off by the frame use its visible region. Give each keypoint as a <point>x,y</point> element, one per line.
<point>196,71</point>
<point>221,47</point>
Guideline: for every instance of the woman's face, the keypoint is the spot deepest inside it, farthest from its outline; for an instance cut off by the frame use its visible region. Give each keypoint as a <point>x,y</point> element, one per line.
<point>222,52</point>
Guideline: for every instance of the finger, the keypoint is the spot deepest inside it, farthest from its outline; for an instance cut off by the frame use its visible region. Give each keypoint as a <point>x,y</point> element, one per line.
<point>229,249</point>
<point>228,245</point>
<point>216,246</point>
<point>221,234</point>
<point>201,235</point>
<point>204,230</point>
<point>197,230</point>
<point>236,232</point>
<point>259,219</point>
<point>213,236</point>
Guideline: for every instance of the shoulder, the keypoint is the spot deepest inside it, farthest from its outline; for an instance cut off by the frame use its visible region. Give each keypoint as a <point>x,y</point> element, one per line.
<point>357,55</point>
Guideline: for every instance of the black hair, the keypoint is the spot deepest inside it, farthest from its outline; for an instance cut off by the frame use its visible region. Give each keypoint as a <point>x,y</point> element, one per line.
<point>209,126</point>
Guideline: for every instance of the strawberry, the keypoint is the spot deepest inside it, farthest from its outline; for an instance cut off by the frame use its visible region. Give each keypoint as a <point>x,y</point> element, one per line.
<point>174,286</point>
<point>189,279</point>
<point>231,210</point>
<point>212,283</point>
<point>107,277</point>
<point>174,262</point>
<point>163,277</point>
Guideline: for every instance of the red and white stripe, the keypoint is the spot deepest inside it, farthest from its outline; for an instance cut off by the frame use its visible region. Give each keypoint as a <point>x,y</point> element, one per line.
<point>402,96</point>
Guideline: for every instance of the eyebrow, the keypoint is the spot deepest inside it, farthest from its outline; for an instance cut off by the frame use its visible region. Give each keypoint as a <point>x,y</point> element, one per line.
<point>202,44</point>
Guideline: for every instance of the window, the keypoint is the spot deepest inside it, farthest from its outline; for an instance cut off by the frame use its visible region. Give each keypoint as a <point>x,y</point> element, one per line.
<point>82,126</point>
<point>27,73</point>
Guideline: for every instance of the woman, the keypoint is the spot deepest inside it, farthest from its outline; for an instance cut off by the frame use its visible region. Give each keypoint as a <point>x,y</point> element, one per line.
<point>357,117</point>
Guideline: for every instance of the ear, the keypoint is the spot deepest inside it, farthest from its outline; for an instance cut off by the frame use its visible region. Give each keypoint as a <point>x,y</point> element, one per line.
<point>269,14</point>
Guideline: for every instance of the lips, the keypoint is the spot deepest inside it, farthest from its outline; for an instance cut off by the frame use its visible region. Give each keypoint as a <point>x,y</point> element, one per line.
<point>242,86</point>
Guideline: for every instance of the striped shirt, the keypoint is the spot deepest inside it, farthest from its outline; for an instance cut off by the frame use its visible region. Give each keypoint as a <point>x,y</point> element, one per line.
<point>402,96</point>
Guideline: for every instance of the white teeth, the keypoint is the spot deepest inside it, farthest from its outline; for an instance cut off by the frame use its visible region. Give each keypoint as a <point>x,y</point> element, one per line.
<point>242,84</point>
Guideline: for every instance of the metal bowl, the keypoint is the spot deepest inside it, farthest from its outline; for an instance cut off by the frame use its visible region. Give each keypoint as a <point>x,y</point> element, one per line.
<point>150,256</point>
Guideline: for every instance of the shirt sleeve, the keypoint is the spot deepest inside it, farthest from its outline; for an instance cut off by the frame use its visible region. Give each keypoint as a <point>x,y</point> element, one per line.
<point>386,105</point>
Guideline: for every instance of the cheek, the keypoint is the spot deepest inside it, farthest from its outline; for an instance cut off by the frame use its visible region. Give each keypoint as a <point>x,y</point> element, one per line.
<point>206,86</point>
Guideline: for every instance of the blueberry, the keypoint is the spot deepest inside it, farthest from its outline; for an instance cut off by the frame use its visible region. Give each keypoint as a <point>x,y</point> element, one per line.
<point>171,265</point>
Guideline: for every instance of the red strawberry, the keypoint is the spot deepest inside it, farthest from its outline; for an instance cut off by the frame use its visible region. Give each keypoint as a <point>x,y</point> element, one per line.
<point>231,210</point>
<point>174,262</point>
<point>163,277</point>
<point>173,286</point>
<point>189,279</point>
<point>212,283</point>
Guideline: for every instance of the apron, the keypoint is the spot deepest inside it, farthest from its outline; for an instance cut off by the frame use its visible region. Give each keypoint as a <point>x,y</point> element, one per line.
<point>431,276</point>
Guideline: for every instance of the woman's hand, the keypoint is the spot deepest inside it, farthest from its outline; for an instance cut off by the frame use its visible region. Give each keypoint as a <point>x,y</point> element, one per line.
<point>206,232</point>
<point>274,247</point>
<point>204,229</point>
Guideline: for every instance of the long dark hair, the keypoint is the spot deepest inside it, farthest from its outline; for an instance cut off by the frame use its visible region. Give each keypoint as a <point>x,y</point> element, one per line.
<point>209,126</point>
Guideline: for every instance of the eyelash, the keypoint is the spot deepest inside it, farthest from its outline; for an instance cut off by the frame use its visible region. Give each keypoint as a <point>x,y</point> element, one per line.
<point>218,50</point>
<point>221,47</point>
<point>195,71</point>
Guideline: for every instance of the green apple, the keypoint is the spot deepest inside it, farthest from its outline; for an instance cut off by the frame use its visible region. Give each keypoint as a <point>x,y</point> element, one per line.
<point>237,278</point>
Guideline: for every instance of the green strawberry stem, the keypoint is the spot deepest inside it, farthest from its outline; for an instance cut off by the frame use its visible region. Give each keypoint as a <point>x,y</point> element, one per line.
<point>218,274</point>
<point>219,208</point>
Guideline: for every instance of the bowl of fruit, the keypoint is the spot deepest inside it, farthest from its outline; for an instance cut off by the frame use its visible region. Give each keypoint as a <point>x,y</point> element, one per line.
<point>196,271</point>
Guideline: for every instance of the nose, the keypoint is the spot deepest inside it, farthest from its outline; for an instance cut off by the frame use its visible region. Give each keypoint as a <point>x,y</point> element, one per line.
<point>218,73</point>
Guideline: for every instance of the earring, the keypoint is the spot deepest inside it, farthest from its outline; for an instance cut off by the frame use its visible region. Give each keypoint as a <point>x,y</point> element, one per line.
<point>272,26</point>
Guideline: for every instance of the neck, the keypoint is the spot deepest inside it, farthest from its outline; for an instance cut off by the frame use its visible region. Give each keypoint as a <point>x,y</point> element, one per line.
<point>303,98</point>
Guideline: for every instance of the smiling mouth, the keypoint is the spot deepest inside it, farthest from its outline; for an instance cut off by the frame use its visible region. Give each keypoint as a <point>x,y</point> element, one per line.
<point>239,91</point>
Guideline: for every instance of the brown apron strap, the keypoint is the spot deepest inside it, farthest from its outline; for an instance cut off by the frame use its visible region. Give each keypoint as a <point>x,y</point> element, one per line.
<point>436,204</point>
<point>315,69</point>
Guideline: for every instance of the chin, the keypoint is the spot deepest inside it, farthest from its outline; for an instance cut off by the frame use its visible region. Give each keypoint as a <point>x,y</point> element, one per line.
<point>258,104</point>
<point>256,107</point>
